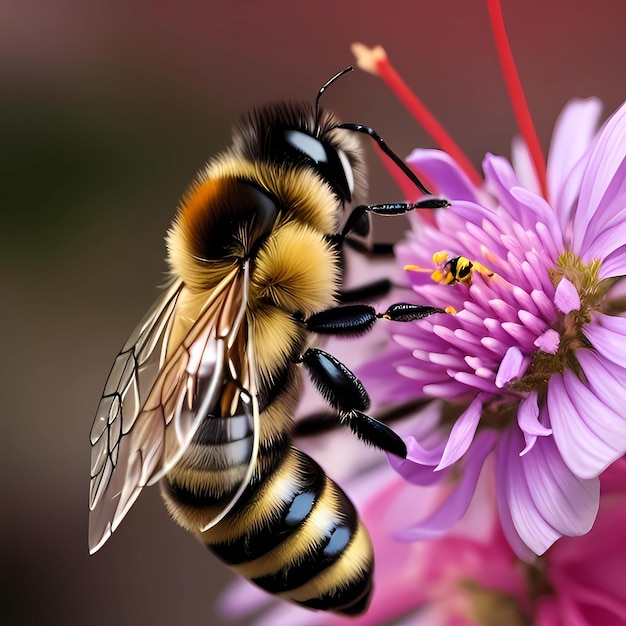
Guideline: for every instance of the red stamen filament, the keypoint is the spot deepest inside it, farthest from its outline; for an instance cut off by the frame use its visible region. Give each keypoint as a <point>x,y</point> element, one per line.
<point>376,62</point>
<point>516,93</point>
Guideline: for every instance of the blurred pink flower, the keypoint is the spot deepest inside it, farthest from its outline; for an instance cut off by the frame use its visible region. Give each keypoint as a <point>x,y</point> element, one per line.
<point>471,576</point>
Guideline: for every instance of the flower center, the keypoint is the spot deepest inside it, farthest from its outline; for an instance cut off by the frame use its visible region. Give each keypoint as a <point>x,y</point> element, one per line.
<point>586,279</point>
<point>591,291</point>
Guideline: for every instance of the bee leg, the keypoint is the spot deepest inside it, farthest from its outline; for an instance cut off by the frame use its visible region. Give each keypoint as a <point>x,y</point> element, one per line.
<point>338,385</point>
<point>376,249</point>
<point>372,134</point>
<point>357,319</point>
<point>364,293</point>
<point>375,433</point>
<point>345,393</point>
<point>355,220</point>
<point>323,421</point>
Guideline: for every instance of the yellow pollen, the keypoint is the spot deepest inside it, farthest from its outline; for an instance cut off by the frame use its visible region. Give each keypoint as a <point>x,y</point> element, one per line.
<point>450,309</point>
<point>438,276</point>
<point>440,257</point>
<point>416,268</point>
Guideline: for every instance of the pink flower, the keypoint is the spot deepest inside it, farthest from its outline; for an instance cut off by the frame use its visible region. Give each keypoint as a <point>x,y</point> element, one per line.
<point>530,362</point>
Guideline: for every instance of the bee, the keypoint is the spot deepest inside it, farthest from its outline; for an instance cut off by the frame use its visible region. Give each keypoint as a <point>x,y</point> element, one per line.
<point>452,271</point>
<point>201,396</point>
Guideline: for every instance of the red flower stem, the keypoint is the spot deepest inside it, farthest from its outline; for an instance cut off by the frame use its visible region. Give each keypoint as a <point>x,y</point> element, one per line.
<point>428,121</point>
<point>516,93</point>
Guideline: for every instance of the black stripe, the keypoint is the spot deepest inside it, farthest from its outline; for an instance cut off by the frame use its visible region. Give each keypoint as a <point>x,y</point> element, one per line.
<point>283,380</point>
<point>220,430</point>
<point>351,600</point>
<point>288,519</point>
<point>269,456</point>
<point>318,556</point>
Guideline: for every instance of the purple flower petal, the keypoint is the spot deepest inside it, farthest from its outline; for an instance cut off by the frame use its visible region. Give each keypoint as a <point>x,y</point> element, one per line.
<point>607,425</point>
<point>606,380</point>
<point>588,433</point>
<point>422,456</point>
<point>611,239</point>
<point>543,212</point>
<point>504,512</point>
<point>450,180</point>
<point>528,420</point>
<point>510,366</point>
<point>549,342</point>
<point>551,240</point>
<point>567,503</point>
<point>456,505</point>
<point>418,467</point>
<point>544,304</point>
<point>608,337</point>
<point>523,165</point>
<point>595,206</point>
<point>566,296</point>
<point>573,133</point>
<point>614,264</point>
<point>531,526</point>
<point>500,179</point>
<point>532,322</point>
<point>462,434</point>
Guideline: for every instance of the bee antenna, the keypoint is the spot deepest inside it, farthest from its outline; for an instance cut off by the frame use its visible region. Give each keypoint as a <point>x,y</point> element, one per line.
<point>319,95</point>
<point>359,128</point>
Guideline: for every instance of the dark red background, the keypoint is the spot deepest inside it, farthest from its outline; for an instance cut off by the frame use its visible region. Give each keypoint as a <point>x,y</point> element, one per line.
<point>105,114</point>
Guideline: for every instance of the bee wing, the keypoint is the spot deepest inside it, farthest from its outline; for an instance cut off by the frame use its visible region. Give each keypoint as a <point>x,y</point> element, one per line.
<point>152,405</point>
<point>242,375</point>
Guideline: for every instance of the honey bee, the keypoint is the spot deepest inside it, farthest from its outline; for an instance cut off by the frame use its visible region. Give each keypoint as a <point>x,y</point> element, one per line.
<point>452,271</point>
<point>201,396</point>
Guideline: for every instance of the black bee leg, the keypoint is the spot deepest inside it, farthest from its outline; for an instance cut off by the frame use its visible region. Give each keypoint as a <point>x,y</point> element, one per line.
<point>323,421</point>
<point>355,221</point>
<point>346,394</point>
<point>338,385</point>
<point>364,293</point>
<point>372,134</point>
<point>375,433</point>
<point>357,319</point>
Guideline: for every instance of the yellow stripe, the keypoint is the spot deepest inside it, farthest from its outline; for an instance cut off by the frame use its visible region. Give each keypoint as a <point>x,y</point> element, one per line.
<point>357,558</point>
<point>324,516</point>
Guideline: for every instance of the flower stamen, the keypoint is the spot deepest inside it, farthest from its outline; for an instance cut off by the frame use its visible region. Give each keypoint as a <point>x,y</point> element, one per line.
<point>375,61</point>
<point>516,94</point>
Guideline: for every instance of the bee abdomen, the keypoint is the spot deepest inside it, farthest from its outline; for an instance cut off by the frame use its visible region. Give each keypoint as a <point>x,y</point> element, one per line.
<point>299,537</point>
<point>212,470</point>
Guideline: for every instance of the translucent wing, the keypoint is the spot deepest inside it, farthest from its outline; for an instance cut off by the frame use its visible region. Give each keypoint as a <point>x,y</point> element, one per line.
<point>157,395</point>
<point>238,425</point>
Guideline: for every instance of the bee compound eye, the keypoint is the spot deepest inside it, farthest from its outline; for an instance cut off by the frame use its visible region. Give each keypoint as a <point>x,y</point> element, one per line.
<point>332,163</point>
<point>306,144</point>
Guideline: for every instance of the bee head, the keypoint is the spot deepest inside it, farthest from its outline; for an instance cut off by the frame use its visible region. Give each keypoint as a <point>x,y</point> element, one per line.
<point>299,135</point>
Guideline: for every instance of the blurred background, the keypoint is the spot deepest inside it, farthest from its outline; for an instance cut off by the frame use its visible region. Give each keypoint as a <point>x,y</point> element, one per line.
<point>106,112</point>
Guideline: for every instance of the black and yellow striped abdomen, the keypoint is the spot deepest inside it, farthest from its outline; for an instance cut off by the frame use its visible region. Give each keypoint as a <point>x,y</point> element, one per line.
<point>293,532</point>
